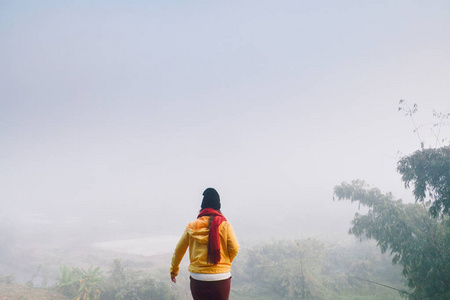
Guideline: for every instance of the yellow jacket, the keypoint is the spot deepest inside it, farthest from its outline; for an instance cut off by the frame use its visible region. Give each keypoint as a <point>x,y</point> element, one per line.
<point>196,237</point>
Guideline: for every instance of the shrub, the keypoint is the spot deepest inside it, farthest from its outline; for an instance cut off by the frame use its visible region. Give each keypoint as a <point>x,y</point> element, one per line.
<point>75,282</point>
<point>126,284</point>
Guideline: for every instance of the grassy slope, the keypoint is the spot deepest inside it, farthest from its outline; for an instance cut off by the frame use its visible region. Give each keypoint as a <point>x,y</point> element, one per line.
<point>14,291</point>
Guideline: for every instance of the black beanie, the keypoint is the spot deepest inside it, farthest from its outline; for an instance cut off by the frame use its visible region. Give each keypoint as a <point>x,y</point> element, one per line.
<point>211,199</point>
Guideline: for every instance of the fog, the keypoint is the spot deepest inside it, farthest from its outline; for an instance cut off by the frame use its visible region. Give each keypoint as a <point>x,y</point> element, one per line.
<point>116,115</point>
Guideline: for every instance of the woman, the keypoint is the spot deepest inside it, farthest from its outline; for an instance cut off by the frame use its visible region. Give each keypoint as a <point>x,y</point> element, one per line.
<point>212,248</point>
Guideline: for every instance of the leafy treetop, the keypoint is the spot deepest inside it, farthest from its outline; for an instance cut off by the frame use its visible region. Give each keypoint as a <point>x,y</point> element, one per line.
<point>429,171</point>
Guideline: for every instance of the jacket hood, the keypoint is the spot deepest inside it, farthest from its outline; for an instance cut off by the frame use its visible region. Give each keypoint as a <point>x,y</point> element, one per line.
<point>199,229</point>
<point>200,235</point>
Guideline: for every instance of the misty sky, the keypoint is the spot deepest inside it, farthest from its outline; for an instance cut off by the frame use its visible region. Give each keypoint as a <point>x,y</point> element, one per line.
<point>136,107</point>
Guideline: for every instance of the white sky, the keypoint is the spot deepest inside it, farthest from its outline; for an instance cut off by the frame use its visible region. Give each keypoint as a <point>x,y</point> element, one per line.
<point>136,107</point>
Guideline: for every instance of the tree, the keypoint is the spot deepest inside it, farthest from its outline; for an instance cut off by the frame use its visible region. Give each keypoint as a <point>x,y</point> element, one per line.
<point>417,241</point>
<point>429,171</point>
<point>417,235</point>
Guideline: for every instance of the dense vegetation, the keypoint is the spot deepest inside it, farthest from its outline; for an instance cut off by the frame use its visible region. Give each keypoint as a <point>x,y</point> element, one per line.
<point>429,171</point>
<point>417,235</point>
<point>284,269</point>
<point>312,269</point>
<point>120,284</point>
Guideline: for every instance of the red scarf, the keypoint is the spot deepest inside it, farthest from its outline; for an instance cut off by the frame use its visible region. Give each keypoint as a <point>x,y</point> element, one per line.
<point>214,239</point>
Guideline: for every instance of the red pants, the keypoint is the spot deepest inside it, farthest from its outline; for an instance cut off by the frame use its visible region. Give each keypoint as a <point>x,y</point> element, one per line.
<point>210,290</point>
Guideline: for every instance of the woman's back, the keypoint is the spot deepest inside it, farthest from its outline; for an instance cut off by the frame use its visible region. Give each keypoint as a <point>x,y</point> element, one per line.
<point>212,248</point>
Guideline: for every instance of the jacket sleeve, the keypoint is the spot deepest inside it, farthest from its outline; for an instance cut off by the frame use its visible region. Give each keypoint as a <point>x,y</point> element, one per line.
<point>232,243</point>
<point>179,252</point>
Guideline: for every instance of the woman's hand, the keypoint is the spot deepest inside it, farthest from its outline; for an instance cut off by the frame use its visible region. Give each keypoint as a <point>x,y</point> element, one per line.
<point>174,280</point>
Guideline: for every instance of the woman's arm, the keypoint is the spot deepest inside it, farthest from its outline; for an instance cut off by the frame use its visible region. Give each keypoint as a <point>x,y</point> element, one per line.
<point>178,254</point>
<point>232,243</point>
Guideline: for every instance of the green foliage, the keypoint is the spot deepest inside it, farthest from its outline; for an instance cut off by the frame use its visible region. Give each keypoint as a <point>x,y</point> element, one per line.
<point>292,267</point>
<point>121,284</point>
<point>89,281</point>
<point>417,241</point>
<point>79,283</point>
<point>311,269</point>
<point>429,171</point>
<point>124,284</point>
<point>418,236</point>
<point>7,279</point>
<point>67,281</point>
